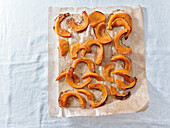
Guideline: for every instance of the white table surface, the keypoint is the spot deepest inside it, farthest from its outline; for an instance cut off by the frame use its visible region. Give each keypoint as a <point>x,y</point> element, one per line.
<point>24,65</point>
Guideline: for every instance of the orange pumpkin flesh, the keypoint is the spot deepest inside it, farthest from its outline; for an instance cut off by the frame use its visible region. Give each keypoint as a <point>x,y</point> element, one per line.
<point>102,36</point>
<point>117,95</point>
<point>124,73</point>
<point>127,62</point>
<point>89,94</point>
<point>91,74</point>
<point>76,27</point>
<point>95,18</point>
<point>120,49</point>
<point>76,78</point>
<point>64,46</point>
<point>59,31</point>
<point>70,81</point>
<point>89,63</point>
<point>64,97</point>
<point>106,72</point>
<point>124,86</point>
<point>102,88</point>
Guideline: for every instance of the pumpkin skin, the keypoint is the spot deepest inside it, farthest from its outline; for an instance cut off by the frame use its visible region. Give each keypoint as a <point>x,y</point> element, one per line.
<point>89,94</point>
<point>91,74</point>
<point>64,46</point>
<point>107,70</point>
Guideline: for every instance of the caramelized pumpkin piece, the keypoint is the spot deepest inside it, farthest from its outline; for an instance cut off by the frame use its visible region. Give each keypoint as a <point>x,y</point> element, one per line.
<point>65,96</point>
<point>117,95</point>
<point>124,86</point>
<point>89,94</point>
<point>102,88</point>
<point>69,79</point>
<point>91,74</point>
<point>124,73</point>
<point>102,36</point>
<point>88,44</point>
<point>64,46</point>
<point>76,78</point>
<point>106,72</point>
<point>59,31</point>
<point>96,17</point>
<point>76,27</point>
<point>89,63</point>
<point>127,62</point>
<point>120,49</point>
<point>122,22</point>
<point>125,16</point>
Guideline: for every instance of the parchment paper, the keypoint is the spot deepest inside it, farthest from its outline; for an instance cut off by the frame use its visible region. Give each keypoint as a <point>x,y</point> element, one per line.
<point>138,101</point>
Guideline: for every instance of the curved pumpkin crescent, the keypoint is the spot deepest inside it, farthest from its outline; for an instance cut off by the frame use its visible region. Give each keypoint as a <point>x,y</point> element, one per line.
<point>64,97</point>
<point>76,27</point>
<point>59,31</point>
<point>64,46</point>
<point>88,44</point>
<point>124,86</point>
<point>89,94</point>
<point>76,78</point>
<point>102,88</point>
<point>89,62</point>
<point>124,73</point>
<point>120,49</point>
<point>117,95</point>
<point>106,72</point>
<point>70,81</point>
<point>125,16</point>
<point>102,36</point>
<point>127,62</point>
<point>122,22</point>
<point>91,74</point>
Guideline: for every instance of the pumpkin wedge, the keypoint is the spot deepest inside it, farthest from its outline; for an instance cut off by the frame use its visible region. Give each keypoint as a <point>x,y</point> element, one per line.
<point>76,78</point>
<point>89,94</point>
<point>64,46</point>
<point>81,27</point>
<point>59,31</point>
<point>124,73</point>
<point>96,17</point>
<point>102,36</point>
<point>89,63</point>
<point>120,49</point>
<point>65,96</point>
<point>107,70</point>
<point>69,79</point>
<point>117,95</point>
<point>127,62</point>
<point>122,22</point>
<point>102,88</point>
<point>124,86</point>
<point>123,15</point>
<point>92,74</point>
<point>88,44</point>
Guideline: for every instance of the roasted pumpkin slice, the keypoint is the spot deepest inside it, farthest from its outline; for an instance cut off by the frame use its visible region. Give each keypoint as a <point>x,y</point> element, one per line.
<point>59,31</point>
<point>64,46</point>
<point>81,27</point>
<point>102,88</point>
<point>123,15</point>
<point>96,17</point>
<point>107,70</point>
<point>89,94</point>
<point>127,62</point>
<point>65,96</point>
<point>76,78</point>
<point>89,63</point>
<point>69,79</point>
<point>102,36</point>
<point>122,22</point>
<point>124,86</point>
<point>88,44</point>
<point>120,49</point>
<point>117,95</point>
<point>91,74</point>
<point>124,73</point>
